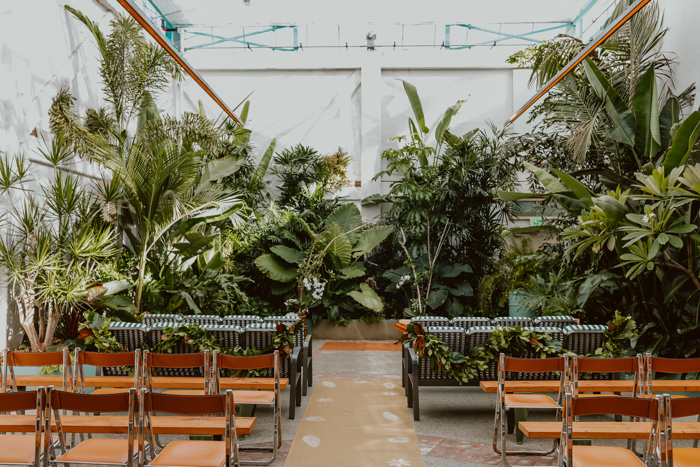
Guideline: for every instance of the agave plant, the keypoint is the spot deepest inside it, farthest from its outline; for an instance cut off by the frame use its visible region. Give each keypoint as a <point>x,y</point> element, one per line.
<point>56,237</point>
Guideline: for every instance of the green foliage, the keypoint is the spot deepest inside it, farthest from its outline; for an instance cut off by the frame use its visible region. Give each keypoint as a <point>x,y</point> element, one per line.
<point>96,330</point>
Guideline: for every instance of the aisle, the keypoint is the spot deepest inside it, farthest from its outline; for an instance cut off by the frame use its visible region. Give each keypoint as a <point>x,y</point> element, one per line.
<point>356,423</point>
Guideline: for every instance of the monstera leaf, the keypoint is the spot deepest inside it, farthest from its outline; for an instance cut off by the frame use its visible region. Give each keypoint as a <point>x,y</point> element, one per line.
<point>366,296</point>
<point>275,269</point>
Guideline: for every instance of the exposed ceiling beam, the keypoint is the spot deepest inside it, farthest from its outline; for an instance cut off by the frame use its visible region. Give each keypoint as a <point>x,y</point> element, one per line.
<point>143,20</point>
<point>595,43</point>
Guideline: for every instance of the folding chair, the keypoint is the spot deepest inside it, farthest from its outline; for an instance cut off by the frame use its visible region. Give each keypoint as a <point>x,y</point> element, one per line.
<point>102,360</point>
<point>509,401</point>
<point>607,365</point>
<point>585,456</point>
<point>153,362</point>
<point>94,451</point>
<point>186,453</point>
<point>23,449</point>
<point>12,359</point>
<point>678,408</point>
<point>671,366</point>
<point>269,398</point>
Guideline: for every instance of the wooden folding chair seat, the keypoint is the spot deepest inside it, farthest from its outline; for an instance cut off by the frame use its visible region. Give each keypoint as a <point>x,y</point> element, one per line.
<point>600,456</point>
<point>511,401</point>
<point>10,360</point>
<point>186,453</point>
<point>678,408</point>
<point>226,363</point>
<point>104,451</point>
<point>667,365</point>
<point>23,449</point>
<point>106,360</point>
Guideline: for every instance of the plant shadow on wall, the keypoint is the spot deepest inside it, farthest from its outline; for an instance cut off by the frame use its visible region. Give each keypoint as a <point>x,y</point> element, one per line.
<point>446,219</point>
<point>628,193</point>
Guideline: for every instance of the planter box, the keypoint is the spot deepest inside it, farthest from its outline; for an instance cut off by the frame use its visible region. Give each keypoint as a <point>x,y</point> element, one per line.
<point>514,309</point>
<point>356,330</point>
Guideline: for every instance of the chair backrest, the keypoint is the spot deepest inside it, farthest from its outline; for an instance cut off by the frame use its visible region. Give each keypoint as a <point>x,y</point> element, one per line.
<point>242,320</point>
<point>153,318</point>
<point>153,362</point>
<point>635,407</point>
<point>427,321</point>
<point>130,335</point>
<point>12,359</point>
<point>584,339</point>
<point>258,335</point>
<point>609,365</point>
<point>667,365</point>
<point>509,322</point>
<point>202,319</point>
<point>106,360</point>
<point>455,337</point>
<point>227,336</point>
<point>27,400</point>
<point>559,321</point>
<point>229,362</point>
<point>675,408</point>
<point>466,322</point>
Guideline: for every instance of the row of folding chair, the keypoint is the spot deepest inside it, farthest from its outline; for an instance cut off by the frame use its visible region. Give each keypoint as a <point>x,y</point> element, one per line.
<point>138,447</point>
<point>569,371</point>
<point>144,369</point>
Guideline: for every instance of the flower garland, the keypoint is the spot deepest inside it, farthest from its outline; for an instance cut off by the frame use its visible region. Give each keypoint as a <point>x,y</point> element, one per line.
<point>464,368</point>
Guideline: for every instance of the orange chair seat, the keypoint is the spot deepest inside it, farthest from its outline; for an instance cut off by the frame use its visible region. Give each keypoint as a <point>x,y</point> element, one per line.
<point>192,454</point>
<point>17,449</point>
<point>604,456</point>
<point>598,395</point>
<point>253,397</point>
<point>99,450</point>
<point>686,457</point>
<point>186,392</point>
<point>110,391</point>
<point>530,401</point>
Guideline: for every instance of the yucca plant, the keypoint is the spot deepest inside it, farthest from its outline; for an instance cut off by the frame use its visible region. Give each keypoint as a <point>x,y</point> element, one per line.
<point>56,237</point>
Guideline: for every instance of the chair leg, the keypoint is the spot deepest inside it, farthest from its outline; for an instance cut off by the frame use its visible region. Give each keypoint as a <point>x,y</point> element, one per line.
<point>276,441</point>
<point>415,380</point>
<point>292,399</point>
<point>304,369</point>
<point>501,418</point>
<point>519,415</point>
<point>409,391</point>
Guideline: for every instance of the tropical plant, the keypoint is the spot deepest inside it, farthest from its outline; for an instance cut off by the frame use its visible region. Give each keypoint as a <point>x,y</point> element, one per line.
<point>332,258</point>
<point>55,239</point>
<point>95,332</point>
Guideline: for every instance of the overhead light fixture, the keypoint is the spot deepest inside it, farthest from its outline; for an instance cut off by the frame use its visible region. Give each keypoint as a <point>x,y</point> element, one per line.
<point>594,44</point>
<point>141,18</point>
<point>371,36</point>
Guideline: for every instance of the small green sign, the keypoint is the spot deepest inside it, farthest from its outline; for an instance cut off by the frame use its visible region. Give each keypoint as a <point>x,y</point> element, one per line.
<point>536,222</point>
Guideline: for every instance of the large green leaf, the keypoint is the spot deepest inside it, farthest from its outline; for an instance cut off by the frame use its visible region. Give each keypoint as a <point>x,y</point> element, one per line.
<point>244,112</point>
<point>437,297</point>
<point>454,270</point>
<point>341,248</point>
<point>196,242</point>
<point>352,272</point>
<point>612,208</point>
<point>279,288</point>
<point>264,162</point>
<point>290,255</point>
<point>454,308</point>
<point>224,167</point>
<point>683,143</point>
<point>535,228</point>
<point>417,107</point>
<point>445,120</point>
<point>549,181</point>
<point>670,115</point>
<point>115,287</point>
<point>366,296</point>
<point>570,202</point>
<point>645,103</point>
<point>275,268</point>
<point>619,112</point>
<point>347,217</point>
<point>215,263</point>
<point>462,289</point>
<point>579,189</point>
<point>369,239</point>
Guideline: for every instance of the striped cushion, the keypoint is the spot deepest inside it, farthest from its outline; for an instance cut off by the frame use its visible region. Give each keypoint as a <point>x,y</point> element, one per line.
<point>261,327</point>
<point>243,317</point>
<point>222,327</point>
<point>155,317</point>
<point>430,318</point>
<point>585,328</point>
<point>547,329</point>
<point>480,329</point>
<point>201,318</point>
<point>471,319</point>
<point>505,321</point>
<point>286,319</point>
<point>555,318</point>
<point>166,324</point>
<point>445,329</point>
<point>123,325</point>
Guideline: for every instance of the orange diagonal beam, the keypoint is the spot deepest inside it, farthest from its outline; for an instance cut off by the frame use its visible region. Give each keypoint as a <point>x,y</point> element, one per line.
<point>610,30</point>
<point>165,43</point>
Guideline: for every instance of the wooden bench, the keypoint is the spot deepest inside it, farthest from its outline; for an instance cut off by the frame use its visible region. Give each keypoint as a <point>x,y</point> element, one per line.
<point>659,386</point>
<point>606,430</point>
<point>161,382</point>
<point>120,424</point>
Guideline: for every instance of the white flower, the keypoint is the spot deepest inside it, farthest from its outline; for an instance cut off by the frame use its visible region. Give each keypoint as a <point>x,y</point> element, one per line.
<point>645,219</point>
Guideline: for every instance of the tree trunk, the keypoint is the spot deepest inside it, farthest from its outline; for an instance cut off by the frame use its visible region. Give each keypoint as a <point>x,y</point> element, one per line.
<point>25,303</point>
<point>52,321</point>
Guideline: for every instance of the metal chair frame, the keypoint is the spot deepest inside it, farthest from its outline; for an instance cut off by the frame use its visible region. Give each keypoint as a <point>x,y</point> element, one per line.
<point>276,408</point>
<point>40,406</point>
<point>230,436</point>
<point>79,371</point>
<point>133,457</point>
<point>8,368</point>
<point>501,417</point>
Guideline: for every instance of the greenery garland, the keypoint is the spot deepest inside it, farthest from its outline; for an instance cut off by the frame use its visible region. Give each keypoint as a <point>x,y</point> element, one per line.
<point>513,341</point>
